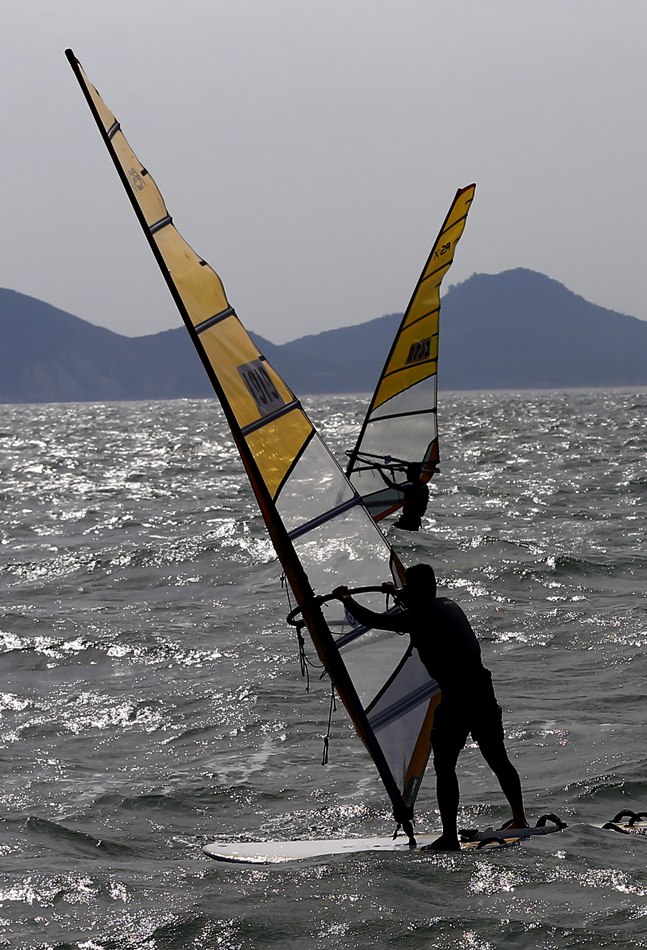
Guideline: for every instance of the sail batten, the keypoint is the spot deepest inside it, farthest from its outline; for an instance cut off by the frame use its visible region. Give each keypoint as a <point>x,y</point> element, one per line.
<point>424,316</point>
<point>327,516</point>
<point>272,417</point>
<point>217,317</point>
<point>322,533</point>
<point>162,223</point>
<point>408,384</point>
<point>396,415</point>
<point>394,712</point>
<point>405,369</point>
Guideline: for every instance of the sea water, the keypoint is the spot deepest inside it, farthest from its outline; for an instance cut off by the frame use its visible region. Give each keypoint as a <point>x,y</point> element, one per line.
<point>151,697</point>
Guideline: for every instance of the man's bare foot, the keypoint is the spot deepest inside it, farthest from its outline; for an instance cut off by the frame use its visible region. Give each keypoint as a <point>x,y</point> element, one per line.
<point>514,824</point>
<point>445,843</point>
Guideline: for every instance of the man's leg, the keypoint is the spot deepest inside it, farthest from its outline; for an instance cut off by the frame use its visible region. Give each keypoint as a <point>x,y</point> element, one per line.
<point>492,746</point>
<point>487,732</point>
<point>448,796</point>
<point>446,748</point>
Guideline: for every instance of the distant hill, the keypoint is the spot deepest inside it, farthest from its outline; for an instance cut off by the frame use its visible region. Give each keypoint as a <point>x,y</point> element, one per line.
<point>48,355</point>
<point>518,329</point>
<point>522,330</point>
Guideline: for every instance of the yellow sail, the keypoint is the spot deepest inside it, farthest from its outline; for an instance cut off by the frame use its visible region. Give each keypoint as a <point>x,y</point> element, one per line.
<point>400,426</point>
<point>273,422</point>
<point>320,529</point>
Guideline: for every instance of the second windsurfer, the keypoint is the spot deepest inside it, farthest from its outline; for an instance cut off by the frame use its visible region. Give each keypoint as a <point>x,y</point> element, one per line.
<point>415,497</point>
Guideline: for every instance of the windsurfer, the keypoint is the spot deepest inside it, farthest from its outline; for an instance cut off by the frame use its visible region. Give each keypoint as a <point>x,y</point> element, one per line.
<point>448,647</point>
<point>415,495</point>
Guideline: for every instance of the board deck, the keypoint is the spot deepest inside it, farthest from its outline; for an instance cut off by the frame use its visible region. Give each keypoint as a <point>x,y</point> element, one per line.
<point>278,852</point>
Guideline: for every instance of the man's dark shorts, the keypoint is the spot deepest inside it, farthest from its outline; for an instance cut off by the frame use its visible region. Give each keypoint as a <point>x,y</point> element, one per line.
<point>473,709</point>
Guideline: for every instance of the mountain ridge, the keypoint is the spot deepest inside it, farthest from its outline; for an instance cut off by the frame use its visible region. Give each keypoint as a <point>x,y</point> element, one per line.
<point>514,330</point>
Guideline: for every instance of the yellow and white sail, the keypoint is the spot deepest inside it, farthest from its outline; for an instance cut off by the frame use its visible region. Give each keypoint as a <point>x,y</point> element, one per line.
<point>400,427</point>
<point>320,529</point>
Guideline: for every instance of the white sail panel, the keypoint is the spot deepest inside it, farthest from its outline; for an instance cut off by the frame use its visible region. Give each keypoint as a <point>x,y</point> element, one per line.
<point>401,718</point>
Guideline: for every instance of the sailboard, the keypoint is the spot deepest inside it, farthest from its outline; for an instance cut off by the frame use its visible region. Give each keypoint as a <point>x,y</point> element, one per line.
<point>471,840</point>
<point>321,531</point>
<point>280,852</point>
<point>400,428</point>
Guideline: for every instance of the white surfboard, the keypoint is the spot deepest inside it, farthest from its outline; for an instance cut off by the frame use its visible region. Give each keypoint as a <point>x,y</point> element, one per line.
<point>278,852</point>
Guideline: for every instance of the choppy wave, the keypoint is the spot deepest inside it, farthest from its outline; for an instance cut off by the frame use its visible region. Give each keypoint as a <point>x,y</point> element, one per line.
<point>152,700</point>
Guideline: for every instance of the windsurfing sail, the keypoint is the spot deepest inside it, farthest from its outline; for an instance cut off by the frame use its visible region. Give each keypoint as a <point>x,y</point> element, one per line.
<point>319,527</point>
<point>401,427</point>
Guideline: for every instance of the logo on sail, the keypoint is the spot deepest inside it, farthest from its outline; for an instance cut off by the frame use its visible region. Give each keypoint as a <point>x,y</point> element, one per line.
<point>419,351</point>
<point>443,249</point>
<point>260,387</point>
<point>136,179</point>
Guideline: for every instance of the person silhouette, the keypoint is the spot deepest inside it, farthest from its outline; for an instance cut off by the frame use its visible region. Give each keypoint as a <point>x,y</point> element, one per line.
<point>449,649</point>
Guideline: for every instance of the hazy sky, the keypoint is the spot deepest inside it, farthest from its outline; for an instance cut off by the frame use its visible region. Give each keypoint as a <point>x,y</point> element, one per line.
<point>309,150</point>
